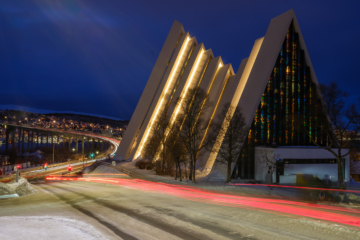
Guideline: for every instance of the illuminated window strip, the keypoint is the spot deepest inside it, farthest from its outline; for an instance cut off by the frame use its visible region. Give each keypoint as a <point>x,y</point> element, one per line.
<point>181,74</point>
<point>147,111</point>
<point>184,95</point>
<point>216,107</point>
<point>162,99</point>
<point>188,85</point>
<point>217,70</point>
<point>208,92</point>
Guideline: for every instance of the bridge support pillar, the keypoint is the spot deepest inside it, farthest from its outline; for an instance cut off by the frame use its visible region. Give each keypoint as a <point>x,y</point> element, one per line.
<point>88,145</point>
<point>83,145</point>
<point>77,145</point>
<point>70,141</point>
<point>36,140</point>
<point>41,140</point>
<point>28,146</point>
<point>7,132</point>
<point>13,139</point>
<point>19,139</point>
<point>32,140</point>
<point>23,140</point>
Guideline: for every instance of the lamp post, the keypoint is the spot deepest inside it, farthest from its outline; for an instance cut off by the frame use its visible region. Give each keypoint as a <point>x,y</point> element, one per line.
<point>53,151</point>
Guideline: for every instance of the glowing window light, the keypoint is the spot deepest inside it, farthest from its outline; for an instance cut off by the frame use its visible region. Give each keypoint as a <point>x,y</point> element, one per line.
<point>216,106</point>
<point>181,101</point>
<point>188,85</point>
<point>201,78</point>
<point>217,70</point>
<point>162,99</point>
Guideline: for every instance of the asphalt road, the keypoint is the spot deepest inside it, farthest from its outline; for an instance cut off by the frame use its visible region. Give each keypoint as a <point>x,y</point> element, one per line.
<point>138,209</point>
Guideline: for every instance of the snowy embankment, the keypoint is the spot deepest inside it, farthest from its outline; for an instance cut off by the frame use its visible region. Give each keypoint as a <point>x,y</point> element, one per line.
<point>21,188</point>
<point>255,190</point>
<point>101,169</point>
<point>46,227</point>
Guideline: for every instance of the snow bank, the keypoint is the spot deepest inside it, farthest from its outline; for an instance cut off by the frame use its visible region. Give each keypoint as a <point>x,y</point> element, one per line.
<point>46,227</point>
<point>213,176</point>
<point>353,198</point>
<point>22,188</point>
<point>5,189</point>
<point>104,169</point>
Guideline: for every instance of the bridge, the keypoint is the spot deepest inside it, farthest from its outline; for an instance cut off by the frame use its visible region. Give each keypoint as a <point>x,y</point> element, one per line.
<point>38,138</point>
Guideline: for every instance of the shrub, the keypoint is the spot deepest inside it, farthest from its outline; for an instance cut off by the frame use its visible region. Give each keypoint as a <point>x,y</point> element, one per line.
<point>163,168</point>
<point>144,164</point>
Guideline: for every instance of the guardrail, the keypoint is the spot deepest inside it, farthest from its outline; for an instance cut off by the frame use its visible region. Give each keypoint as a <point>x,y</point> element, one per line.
<point>28,171</point>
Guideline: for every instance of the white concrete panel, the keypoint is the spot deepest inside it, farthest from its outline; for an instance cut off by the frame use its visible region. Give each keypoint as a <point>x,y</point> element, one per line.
<point>210,74</point>
<point>189,79</point>
<point>231,95</point>
<point>163,93</point>
<point>149,91</point>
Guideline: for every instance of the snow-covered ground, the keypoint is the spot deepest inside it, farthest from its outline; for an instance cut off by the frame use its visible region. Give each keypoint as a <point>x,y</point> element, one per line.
<point>137,209</point>
<point>46,227</point>
<point>46,111</point>
<point>104,170</point>
<point>255,190</point>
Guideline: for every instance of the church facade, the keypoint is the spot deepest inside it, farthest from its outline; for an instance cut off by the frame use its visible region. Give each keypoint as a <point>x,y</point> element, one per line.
<point>275,84</point>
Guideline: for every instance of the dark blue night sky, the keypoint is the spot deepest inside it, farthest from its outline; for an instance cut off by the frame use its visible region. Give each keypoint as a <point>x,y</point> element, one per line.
<point>96,56</point>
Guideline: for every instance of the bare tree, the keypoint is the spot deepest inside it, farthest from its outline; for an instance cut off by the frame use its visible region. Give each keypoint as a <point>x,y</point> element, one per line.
<point>227,136</point>
<point>157,148</point>
<point>177,150</point>
<point>194,125</point>
<point>270,162</point>
<point>343,124</point>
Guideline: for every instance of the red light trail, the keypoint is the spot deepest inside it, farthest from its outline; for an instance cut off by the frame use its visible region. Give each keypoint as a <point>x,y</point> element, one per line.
<point>298,209</point>
<point>283,186</point>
